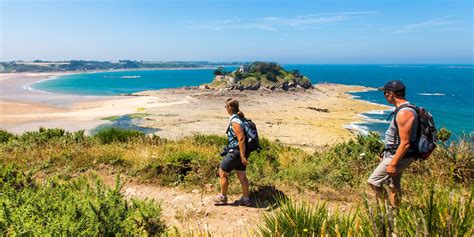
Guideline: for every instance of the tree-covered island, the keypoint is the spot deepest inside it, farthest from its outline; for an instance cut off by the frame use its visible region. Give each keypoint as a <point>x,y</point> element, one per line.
<point>259,75</point>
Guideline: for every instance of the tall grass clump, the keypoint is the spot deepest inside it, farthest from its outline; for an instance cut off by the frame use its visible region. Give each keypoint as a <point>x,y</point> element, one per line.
<point>442,213</point>
<point>78,207</point>
<point>303,219</point>
<point>436,212</point>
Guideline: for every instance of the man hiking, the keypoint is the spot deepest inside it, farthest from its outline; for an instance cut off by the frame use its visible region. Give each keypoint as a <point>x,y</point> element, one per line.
<point>397,155</point>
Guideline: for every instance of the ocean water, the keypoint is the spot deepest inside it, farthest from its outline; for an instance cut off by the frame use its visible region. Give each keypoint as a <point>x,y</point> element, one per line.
<point>124,82</point>
<point>445,90</point>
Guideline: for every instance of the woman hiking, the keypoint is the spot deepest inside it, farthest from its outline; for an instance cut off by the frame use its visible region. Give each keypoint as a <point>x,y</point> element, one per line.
<point>235,158</point>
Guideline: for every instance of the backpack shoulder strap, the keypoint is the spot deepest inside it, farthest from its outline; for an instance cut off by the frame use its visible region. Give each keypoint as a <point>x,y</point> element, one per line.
<point>235,116</point>
<point>394,113</point>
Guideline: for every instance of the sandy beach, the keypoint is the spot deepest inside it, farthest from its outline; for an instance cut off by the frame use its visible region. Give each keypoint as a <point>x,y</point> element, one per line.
<point>307,119</point>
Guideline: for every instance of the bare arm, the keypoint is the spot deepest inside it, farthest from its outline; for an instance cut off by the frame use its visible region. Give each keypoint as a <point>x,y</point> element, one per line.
<point>241,138</point>
<point>405,124</point>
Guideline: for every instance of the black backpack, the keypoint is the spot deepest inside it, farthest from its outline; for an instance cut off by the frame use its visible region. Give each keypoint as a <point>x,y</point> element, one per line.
<point>425,141</point>
<point>251,135</point>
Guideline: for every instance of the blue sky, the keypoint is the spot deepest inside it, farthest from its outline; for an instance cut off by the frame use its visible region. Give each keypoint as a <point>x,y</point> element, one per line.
<point>331,31</point>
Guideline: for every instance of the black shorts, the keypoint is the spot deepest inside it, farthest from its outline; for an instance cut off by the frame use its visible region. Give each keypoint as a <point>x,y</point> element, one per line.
<point>232,161</point>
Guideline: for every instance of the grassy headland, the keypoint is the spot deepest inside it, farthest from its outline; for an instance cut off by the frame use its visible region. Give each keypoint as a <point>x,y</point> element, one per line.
<point>341,170</point>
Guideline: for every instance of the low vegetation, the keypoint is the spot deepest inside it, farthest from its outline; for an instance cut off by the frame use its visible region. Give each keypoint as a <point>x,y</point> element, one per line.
<point>440,186</point>
<point>77,207</point>
<point>436,213</point>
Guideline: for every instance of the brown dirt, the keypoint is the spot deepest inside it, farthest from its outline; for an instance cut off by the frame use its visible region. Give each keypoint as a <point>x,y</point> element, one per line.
<point>193,211</point>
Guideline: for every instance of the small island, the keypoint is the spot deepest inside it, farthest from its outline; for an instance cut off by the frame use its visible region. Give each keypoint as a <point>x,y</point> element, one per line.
<point>259,75</point>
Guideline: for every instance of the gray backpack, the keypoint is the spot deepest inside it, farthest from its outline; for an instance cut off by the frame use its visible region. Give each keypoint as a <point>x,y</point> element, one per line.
<point>251,135</point>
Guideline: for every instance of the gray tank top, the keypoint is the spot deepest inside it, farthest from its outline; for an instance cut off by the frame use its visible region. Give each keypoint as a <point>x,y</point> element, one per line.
<point>392,129</point>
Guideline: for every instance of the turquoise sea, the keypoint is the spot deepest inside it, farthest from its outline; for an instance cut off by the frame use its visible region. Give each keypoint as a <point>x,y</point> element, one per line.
<point>445,90</point>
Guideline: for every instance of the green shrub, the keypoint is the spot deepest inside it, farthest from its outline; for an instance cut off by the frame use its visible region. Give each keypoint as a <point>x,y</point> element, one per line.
<point>443,135</point>
<point>5,136</point>
<point>346,164</point>
<point>43,135</point>
<point>72,208</point>
<point>109,135</point>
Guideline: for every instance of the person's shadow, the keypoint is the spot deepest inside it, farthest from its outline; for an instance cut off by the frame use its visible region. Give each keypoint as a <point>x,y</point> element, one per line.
<point>263,196</point>
<point>267,196</point>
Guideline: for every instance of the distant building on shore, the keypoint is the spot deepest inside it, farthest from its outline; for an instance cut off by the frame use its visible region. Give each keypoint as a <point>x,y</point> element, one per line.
<point>244,69</point>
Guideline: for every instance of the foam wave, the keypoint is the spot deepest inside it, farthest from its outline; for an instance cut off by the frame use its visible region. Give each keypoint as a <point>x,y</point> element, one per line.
<point>458,67</point>
<point>124,77</point>
<point>29,87</point>
<point>432,94</point>
<point>357,127</point>
<point>373,120</point>
<point>405,66</point>
<point>380,112</point>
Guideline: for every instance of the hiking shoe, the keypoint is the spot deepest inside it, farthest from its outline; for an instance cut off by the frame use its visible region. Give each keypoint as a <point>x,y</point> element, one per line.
<point>220,199</point>
<point>242,202</point>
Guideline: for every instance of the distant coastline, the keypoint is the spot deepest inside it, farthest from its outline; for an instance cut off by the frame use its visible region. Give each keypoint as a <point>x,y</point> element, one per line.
<point>87,66</point>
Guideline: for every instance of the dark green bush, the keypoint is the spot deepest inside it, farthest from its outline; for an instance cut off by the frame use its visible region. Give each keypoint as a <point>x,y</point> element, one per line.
<point>109,135</point>
<point>5,136</point>
<point>72,208</point>
<point>43,135</point>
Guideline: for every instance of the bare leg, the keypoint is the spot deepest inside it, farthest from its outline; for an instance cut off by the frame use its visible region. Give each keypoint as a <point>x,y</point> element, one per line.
<point>244,181</point>
<point>380,192</point>
<point>395,197</point>
<point>224,180</point>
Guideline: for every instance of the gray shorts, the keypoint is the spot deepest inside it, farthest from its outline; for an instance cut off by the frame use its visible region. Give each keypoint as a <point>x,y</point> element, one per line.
<point>380,175</point>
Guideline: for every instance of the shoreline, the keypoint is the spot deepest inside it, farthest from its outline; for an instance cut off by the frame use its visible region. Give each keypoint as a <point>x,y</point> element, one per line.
<point>54,75</point>
<point>185,111</point>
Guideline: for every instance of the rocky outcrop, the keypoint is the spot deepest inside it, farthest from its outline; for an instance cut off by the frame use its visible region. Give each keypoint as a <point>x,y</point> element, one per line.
<point>260,75</point>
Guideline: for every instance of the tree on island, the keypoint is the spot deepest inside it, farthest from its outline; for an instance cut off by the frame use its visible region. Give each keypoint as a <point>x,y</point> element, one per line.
<point>220,71</point>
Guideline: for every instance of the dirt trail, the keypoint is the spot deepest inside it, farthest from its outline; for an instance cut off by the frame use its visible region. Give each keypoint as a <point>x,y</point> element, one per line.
<point>194,211</point>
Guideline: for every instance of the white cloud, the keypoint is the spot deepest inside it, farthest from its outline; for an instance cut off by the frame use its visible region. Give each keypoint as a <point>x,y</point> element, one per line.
<point>274,23</point>
<point>437,22</point>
